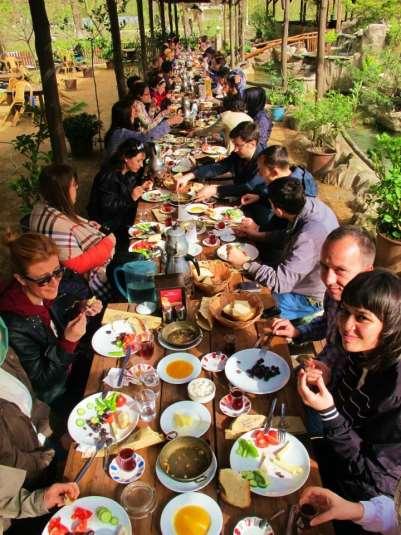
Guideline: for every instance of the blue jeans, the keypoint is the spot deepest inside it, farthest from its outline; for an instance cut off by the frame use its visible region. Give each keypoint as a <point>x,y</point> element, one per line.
<point>295,306</point>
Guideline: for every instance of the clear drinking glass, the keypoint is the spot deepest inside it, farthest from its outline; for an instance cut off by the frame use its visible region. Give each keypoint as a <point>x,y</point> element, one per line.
<point>151,381</point>
<point>139,500</point>
<point>147,402</point>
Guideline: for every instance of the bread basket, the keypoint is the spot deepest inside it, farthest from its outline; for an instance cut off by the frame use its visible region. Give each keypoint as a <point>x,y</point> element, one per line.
<point>218,302</point>
<point>220,280</point>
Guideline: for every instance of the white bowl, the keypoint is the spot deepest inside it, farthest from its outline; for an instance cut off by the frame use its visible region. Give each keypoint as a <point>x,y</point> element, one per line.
<point>198,397</point>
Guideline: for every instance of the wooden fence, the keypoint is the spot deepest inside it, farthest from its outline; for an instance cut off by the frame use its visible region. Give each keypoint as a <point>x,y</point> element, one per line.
<point>308,40</point>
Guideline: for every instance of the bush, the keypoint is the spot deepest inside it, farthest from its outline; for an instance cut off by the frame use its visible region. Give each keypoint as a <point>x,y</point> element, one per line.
<point>265,25</point>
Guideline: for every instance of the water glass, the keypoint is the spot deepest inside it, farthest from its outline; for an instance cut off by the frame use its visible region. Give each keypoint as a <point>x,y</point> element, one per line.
<point>147,402</point>
<point>151,381</point>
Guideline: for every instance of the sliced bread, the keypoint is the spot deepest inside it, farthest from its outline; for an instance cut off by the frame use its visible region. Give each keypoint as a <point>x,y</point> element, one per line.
<point>236,491</point>
<point>244,423</point>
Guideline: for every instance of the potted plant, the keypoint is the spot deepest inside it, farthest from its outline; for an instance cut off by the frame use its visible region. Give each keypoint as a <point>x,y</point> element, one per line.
<point>322,121</point>
<point>80,130</point>
<point>278,100</point>
<point>386,194</point>
<point>107,55</point>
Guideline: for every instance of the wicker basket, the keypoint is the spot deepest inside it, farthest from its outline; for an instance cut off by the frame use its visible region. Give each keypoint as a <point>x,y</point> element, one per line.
<point>220,280</point>
<point>218,302</point>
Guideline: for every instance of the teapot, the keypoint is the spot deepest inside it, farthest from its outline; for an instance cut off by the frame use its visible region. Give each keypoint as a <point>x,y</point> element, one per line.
<point>156,163</point>
<point>139,281</point>
<point>176,255</point>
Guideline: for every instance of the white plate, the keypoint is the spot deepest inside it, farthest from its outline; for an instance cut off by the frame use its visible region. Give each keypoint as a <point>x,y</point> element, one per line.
<point>191,498</point>
<point>146,308</point>
<point>184,166</point>
<point>172,348</point>
<point>199,413</point>
<point>162,365</point>
<point>247,248</point>
<point>217,214</point>
<point>241,361</point>
<point>92,503</point>
<point>85,435</point>
<point>181,152</point>
<point>214,150</point>
<point>192,208</point>
<point>136,232</point>
<point>228,236</point>
<point>279,486</point>
<point>122,476</point>
<point>214,362</point>
<point>253,525</point>
<point>156,195</point>
<point>153,253</point>
<point>206,243</point>
<point>102,340</point>
<point>190,486</point>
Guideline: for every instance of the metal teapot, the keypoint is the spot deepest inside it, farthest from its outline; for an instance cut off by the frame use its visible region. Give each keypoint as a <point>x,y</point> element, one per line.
<point>156,163</point>
<point>176,254</point>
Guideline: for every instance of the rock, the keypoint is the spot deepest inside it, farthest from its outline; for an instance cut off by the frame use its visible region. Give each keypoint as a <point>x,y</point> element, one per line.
<point>390,120</point>
<point>363,181</point>
<point>374,37</point>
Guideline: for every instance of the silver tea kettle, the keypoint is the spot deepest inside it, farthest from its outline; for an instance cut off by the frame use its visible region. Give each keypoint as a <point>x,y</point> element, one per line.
<point>156,163</point>
<point>176,255</point>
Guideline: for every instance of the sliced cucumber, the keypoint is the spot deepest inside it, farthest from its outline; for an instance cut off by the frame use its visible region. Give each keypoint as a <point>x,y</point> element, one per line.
<point>90,405</point>
<point>80,422</point>
<point>114,521</point>
<point>81,411</point>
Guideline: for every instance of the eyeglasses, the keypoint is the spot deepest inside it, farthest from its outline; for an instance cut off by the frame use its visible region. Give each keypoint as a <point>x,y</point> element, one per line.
<point>238,146</point>
<point>42,281</point>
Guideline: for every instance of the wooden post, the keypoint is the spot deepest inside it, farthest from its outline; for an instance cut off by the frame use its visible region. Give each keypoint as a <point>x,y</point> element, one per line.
<point>170,16</point>
<point>236,31</point>
<point>320,81</point>
<point>151,23</point>
<point>304,12</point>
<point>224,25</point>
<point>142,35</point>
<point>284,43</point>
<point>231,33</point>
<point>241,19</point>
<point>43,45</point>
<point>339,15</point>
<point>176,19</point>
<point>162,18</point>
<point>117,54</point>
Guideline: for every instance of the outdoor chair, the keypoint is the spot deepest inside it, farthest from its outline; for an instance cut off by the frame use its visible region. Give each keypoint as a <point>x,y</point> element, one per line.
<point>17,106</point>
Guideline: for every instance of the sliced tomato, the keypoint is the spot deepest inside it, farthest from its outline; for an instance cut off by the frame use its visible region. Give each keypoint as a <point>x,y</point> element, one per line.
<point>56,527</point>
<point>108,418</point>
<point>262,440</point>
<point>81,514</point>
<point>121,400</point>
<point>272,437</point>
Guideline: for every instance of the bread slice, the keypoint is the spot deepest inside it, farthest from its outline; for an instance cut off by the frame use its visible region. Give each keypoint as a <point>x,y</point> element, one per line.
<point>235,490</point>
<point>242,310</point>
<point>244,423</point>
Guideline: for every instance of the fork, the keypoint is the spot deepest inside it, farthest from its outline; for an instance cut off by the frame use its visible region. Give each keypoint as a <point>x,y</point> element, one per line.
<point>281,425</point>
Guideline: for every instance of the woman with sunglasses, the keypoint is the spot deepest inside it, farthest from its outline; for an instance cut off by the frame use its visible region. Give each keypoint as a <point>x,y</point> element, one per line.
<point>117,188</point>
<point>361,414</point>
<point>31,308</point>
<point>82,246</point>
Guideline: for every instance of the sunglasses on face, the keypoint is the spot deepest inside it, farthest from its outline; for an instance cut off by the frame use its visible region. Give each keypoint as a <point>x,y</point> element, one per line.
<point>46,279</point>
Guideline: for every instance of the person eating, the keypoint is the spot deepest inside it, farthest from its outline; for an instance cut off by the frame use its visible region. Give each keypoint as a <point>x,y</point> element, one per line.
<point>359,456</point>
<point>295,281</point>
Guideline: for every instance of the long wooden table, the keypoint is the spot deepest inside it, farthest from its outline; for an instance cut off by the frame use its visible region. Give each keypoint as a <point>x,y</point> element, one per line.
<point>97,482</point>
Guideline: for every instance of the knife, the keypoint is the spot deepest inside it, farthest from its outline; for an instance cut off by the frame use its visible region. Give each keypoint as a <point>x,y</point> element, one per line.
<point>270,416</point>
<point>289,530</point>
<point>123,365</point>
<point>99,445</point>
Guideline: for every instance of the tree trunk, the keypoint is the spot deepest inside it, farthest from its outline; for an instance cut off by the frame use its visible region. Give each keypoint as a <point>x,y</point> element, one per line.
<point>76,15</point>
<point>236,31</point>
<point>184,20</point>
<point>320,81</point>
<point>142,35</point>
<point>241,20</point>
<point>274,9</point>
<point>44,52</point>
<point>224,25</point>
<point>231,32</point>
<point>151,24</point>
<point>170,16</point>
<point>162,18</point>
<point>304,12</point>
<point>117,54</point>
<point>339,16</point>
<point>284,43</point>
<point>176,19</point>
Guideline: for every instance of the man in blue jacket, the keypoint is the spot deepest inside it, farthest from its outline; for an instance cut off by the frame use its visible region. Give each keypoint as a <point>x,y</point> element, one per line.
<point>273,162</point>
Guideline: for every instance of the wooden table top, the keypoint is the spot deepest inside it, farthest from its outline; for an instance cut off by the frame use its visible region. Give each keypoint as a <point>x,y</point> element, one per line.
<point>97,482</point>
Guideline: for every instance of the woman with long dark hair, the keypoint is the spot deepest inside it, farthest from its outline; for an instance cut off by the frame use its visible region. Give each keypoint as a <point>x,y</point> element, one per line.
<point>81,245</point>
<point>255,100</point>
<point>117,188</point>
<point>123,115</point>
<point>361,414</point>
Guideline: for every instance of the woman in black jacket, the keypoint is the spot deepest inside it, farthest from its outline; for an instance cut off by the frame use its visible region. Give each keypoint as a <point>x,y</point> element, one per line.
<point>43,321</point>
<point>361,416</point>
<point>117,188</point>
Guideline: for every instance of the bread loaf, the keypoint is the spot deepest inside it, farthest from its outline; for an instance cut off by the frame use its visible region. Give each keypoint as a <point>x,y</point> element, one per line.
<point>235,490</point>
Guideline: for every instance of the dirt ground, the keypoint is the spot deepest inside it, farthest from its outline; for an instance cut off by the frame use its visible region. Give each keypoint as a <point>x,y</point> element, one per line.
<point>10,161</point>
